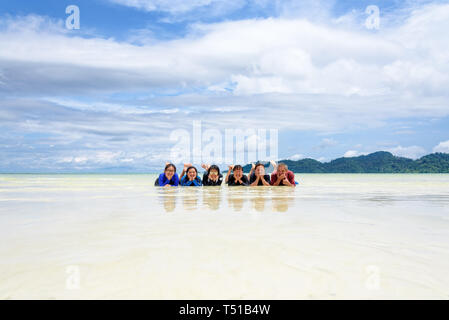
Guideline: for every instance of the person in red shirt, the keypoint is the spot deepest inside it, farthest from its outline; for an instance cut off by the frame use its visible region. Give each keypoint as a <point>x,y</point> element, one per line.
<point>282,176</point>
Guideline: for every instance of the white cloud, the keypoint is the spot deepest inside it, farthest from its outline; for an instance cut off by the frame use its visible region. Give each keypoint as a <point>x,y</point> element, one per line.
<point>352,153</point>
<point>174,6</point>
<point>284,56</point>
<point>296,157</point>
<point>327,143</point>
<point>192,10</point>
<point>412,152</point>
<point>288,73</point>
<point>442,147</point>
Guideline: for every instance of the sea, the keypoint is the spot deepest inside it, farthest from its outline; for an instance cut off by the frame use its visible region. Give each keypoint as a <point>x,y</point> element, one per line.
<point>116,236</point>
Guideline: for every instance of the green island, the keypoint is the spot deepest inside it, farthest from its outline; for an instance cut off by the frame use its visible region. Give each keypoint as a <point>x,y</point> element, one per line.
<point>377,162</point>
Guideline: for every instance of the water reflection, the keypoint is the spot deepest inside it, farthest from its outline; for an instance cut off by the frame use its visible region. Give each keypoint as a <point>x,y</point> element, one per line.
<point>282,199</point>
<point>167,197</point>
<point>259,196</point>
<point>210,198</point>
<point>236,198</point>
<point>190,197</point>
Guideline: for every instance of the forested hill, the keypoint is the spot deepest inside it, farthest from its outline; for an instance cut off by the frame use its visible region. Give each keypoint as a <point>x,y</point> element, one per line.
<point>378,162</point>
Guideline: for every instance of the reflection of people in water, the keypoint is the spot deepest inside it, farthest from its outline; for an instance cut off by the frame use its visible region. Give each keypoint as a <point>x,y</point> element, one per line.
<point>190,198</point>
<point>235,202</point>
<point>258,199</point>
<point>212,198</point>
<point>282,199</point>
<point>168,199</point>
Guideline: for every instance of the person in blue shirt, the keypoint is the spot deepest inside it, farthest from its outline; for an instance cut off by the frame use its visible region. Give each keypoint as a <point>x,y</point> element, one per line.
<point>189,177</point>
<point>169,178</point>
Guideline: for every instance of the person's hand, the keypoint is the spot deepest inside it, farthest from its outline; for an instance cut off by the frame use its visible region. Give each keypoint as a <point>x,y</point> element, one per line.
<point>231,167</point>
<point>186,165</point>
<point>205,166</point>
<point>282,177</point>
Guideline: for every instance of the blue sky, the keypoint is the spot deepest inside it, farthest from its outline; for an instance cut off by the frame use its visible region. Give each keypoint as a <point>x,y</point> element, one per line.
<point>108,96</point>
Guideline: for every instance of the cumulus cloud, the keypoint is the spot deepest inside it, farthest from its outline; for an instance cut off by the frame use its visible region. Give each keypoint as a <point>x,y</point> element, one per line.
<point>295,73</point>
<point>442,147</point>
<point>296,157</point>
<point>412,152</point>
<point>282,56</point>
<point>327,143</point>
<point>353,153</point>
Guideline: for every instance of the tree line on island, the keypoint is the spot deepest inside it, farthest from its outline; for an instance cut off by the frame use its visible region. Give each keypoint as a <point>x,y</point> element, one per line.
<point>377,162</point>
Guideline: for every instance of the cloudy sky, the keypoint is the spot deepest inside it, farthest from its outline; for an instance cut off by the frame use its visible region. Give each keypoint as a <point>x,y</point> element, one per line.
<point>107,96</point>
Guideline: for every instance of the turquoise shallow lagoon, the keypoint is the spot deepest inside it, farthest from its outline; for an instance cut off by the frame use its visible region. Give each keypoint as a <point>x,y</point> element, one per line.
<point>86,236</point>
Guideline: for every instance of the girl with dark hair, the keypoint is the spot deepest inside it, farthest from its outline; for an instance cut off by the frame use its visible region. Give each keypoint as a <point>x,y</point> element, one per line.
<point>237,178</point>
<point>212,176</point>
<point>190,178</point>
<point>259,178</point>
<point>168,178</point>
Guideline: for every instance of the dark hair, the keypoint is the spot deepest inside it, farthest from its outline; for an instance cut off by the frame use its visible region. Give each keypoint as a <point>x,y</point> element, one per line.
<point>192,167</point>
<point>282,165</point>
<point>237,167</point>
<point>214,167</point>
<point>258,165</point>
<point>170,165</point>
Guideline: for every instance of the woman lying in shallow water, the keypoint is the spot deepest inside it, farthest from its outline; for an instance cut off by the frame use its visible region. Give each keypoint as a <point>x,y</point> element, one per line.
<point>168,178</point>
<point>281,176</point>
<point>237,178</point>
<point>189,176</point>
<point>212,176</point>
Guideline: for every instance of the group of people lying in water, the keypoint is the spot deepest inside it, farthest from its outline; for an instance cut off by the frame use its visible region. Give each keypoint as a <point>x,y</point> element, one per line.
<point>281,176</point>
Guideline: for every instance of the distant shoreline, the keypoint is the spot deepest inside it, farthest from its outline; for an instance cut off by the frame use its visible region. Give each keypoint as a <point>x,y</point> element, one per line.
<point>380,162</point>
<point>156,173</point>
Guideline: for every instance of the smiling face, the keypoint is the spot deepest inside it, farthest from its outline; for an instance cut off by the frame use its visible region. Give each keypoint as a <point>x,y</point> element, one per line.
<point>238,173</point>
<point>260,170</point>
<point>213,174</point>
<point>282,170</point>
<point>169,172</point>
<point>191,174</point>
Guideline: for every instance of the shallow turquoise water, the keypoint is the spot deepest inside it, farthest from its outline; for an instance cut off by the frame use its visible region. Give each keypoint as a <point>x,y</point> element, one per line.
<point>117,236</point>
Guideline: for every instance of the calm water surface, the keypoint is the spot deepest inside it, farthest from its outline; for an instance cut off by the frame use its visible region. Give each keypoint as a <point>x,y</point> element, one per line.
<point>117,236</point>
